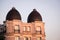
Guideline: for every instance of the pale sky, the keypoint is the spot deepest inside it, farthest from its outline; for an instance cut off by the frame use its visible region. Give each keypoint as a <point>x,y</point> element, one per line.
<point>49,10</point>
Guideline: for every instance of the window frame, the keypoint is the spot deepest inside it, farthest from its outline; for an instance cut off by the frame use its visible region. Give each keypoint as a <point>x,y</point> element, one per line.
<point>28,28</point>
<point>24,28</point>
<point>38,29</point>
<point>18,29</point>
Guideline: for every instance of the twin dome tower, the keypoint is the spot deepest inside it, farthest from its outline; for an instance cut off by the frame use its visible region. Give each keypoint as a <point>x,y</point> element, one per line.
<point>18,30</point>
<point>33,16</point>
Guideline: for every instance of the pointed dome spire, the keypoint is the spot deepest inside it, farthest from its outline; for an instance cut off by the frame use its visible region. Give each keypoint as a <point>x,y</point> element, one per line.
<point>34,16</point>
<point>34,10</point>
<point>13,14</point>
<point>13,8</point>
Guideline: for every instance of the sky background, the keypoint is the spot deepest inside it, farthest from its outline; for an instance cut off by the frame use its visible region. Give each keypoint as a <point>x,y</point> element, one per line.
<point>49,10</point>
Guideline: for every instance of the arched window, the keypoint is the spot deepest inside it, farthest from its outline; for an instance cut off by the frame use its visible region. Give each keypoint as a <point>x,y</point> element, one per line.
<point>39,38</point>
<point>17,38</point>
<point>27,38</point>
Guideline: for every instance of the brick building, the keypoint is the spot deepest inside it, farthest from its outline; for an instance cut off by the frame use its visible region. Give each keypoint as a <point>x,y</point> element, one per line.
<point>18,30</point>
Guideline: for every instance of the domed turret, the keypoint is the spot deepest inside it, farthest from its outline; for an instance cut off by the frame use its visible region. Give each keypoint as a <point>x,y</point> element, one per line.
<point>13,14</point>
<point>34,16</point>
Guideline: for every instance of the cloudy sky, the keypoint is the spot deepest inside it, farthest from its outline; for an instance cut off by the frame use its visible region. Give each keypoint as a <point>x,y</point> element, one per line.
<point>49,9</point>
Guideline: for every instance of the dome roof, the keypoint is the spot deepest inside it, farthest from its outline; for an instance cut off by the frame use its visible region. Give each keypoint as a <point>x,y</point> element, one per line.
<point>34,16</point>
<point>13,14</point>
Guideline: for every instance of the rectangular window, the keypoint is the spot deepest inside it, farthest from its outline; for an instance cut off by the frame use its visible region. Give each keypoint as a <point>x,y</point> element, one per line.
<point>24,28</point>
<point>28,28</point>
<point>38,29</point>
<point>16,29</point>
